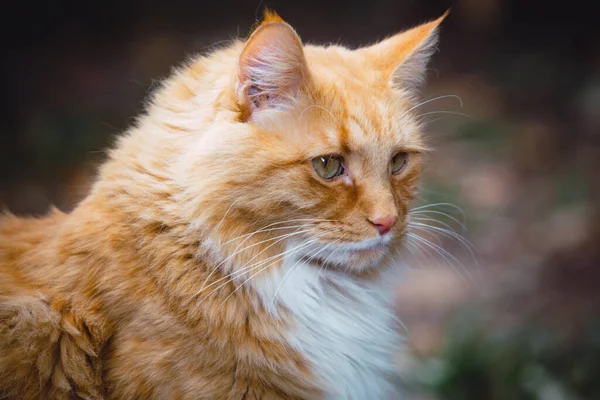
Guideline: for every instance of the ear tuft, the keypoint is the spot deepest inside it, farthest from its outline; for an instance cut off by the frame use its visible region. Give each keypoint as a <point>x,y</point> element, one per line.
<point>271,16</point>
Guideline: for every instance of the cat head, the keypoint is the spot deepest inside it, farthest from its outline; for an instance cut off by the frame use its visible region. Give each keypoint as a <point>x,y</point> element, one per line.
<point>293,146</point>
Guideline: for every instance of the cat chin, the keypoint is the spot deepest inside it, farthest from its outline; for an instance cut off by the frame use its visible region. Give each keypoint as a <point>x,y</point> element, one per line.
<point>351,263</point>
<point>352,258</point>
<point>359,256</point>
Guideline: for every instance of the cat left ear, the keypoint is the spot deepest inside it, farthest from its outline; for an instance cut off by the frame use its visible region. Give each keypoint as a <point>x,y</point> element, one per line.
<point>272,67</point>
<point>403,58</point>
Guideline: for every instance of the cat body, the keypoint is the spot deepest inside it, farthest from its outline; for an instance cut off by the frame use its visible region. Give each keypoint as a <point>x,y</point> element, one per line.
<point>239,240</point>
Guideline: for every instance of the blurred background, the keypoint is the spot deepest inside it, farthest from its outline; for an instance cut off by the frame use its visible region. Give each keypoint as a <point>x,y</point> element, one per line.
<point>510,309</point>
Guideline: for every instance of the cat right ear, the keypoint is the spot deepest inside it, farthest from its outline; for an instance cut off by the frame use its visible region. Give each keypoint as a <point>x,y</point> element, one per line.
<point>272,67</point>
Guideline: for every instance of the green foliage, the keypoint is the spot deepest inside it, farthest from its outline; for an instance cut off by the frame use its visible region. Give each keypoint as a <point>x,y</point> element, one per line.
<point>525,363</point>
<point>492,137</point>
<point>58,138</point>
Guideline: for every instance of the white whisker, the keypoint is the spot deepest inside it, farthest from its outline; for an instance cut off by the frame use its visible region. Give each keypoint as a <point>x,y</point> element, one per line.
<point>424,251</point>
<point>447,112</point>
<point>432,100</point>
<point>274,259</point>
<point>297,248</point>
<point>438,205</point>
<point>327,259</point>
<point>432,246</point>
<point>263,229</point>
<point>291,271</point>
<point>449,205</point>
<point>445,254</point>
<point>320,107</point>
<point>424,216</point>
<point>276,238</point>
<point>447,232</point>
<point>226,212</point>
<point>242,270</point>
<point>431,121</point>
<point>412,254</point>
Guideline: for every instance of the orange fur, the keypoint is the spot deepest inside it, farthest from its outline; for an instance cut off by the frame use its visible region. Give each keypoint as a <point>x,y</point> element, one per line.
<point>128,296</point>
<point>270,16</point>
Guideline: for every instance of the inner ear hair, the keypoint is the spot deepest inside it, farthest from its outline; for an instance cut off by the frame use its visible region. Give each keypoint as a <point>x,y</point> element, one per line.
<point>271,68</point>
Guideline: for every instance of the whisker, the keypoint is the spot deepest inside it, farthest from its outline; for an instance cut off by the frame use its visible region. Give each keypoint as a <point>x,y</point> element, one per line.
<point>233,203</point>
<point>444,253</point>
<point>226,212</point>
<point>438,205</point>
<point>238,274</point>
<point>471,248</point>
<point>428,212</point>
<point>391,259</point>
<point>320,107</point>
<point>448,233</point>
<point>276,238</point>
<point>462,241</point>
<point>440,250</point>
<point>432,100</point>
<point>431,121</point>
<point>429,235</point>
<point>290,273</point>
<point>278,223</point>
<point>245,266</point>
<point>418,217</point>
<point>328,258</point>
<point>432,246</point>
<point>447,112</point>
<point>297,248</point>
<point>425,251</point>
<point>449,205</point>
<point>412,254</point>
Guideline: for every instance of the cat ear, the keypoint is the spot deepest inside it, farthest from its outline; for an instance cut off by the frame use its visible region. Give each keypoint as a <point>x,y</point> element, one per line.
<point>272,67</point>
<point>403,58</point>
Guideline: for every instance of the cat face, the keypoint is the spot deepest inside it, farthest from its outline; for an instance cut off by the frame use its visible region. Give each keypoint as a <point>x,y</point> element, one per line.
<point>321,145</point>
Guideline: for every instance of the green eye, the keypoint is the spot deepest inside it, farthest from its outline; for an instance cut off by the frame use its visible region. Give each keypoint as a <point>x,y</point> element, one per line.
<point>399,161</point>
<point>328,167</point>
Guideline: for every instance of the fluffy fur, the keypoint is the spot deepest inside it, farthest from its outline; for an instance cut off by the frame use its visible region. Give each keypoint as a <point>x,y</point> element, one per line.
<point>210,260</point>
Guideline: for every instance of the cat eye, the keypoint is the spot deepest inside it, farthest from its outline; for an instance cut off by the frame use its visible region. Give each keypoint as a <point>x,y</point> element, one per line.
<point>328,167</point>
<point>399,161</point>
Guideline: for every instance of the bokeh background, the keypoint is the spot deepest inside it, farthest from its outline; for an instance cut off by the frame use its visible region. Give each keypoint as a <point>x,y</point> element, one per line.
<point>516,160</point>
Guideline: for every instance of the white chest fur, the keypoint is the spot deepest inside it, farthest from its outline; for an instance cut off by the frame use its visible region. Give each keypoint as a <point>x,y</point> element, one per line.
<point>343,327</point>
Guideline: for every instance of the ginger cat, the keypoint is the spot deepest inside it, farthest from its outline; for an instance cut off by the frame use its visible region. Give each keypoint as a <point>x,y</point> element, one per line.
<point>236,242</point>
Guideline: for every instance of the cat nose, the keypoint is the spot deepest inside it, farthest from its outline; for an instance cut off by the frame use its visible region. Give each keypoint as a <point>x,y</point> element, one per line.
<point>384,224</point>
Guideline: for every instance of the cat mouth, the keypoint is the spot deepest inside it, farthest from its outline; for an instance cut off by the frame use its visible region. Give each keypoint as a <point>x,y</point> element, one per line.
<point>370,250</point>
<point>346,252</point>
<point>367,246</point>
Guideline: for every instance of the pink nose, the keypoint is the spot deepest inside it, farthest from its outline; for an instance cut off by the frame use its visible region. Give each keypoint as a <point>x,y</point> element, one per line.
<point>384,224</point>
